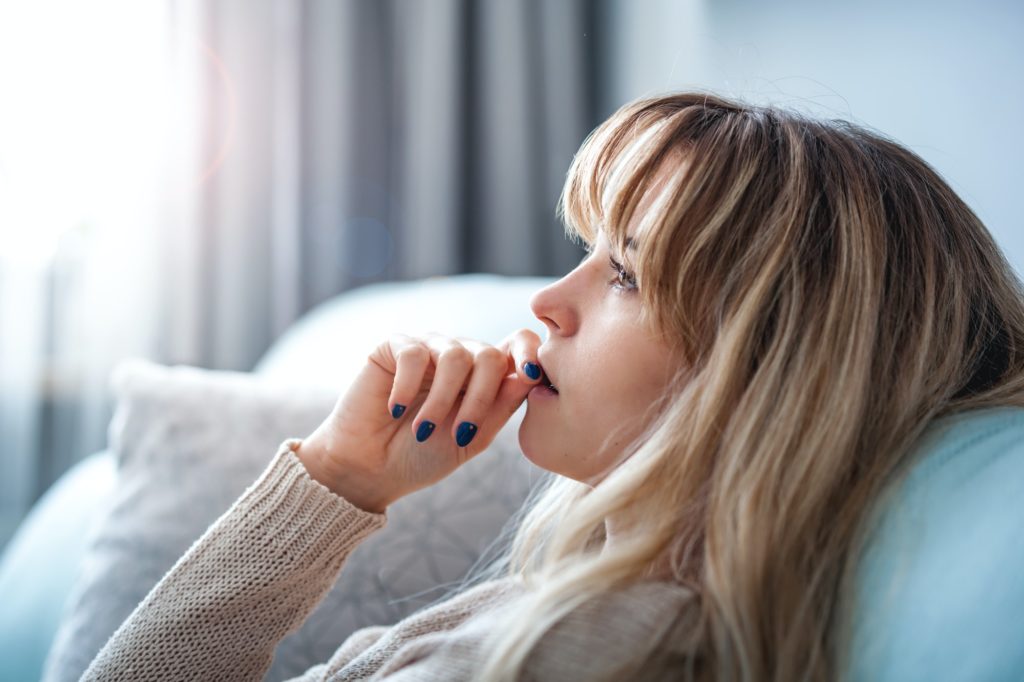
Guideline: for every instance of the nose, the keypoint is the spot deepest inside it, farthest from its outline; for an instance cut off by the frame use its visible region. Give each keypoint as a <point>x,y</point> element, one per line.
<point>553,306</point>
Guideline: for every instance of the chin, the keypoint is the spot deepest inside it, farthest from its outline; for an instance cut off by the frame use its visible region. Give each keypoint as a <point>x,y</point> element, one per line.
<point>542,452</point>
<point>527,444</point>
<point>532,442</point>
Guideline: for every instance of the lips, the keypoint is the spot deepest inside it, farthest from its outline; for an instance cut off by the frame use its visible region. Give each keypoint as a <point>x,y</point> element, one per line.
<point>546,379</point>
<point>547,382</point>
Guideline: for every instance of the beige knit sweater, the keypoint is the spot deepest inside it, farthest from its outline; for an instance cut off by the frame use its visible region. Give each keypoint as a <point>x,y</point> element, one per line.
<point>262,567</point>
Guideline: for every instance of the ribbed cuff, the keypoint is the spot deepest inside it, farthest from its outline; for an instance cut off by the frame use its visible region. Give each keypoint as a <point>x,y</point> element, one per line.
<point>302,512</point>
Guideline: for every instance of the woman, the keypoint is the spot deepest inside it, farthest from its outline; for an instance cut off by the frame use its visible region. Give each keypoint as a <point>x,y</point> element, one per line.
<point>772,310</point>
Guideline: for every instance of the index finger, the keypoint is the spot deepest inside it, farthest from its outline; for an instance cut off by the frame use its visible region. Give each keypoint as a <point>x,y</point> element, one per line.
<point>521,349</point>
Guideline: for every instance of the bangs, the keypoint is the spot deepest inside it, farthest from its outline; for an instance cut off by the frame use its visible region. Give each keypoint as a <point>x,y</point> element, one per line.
<point>682,176</point>
<point>667,168</point>
<point>613,171</point>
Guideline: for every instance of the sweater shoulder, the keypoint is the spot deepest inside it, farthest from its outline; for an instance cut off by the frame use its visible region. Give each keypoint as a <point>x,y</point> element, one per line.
<point>636,630</point>
<point>460,607</point>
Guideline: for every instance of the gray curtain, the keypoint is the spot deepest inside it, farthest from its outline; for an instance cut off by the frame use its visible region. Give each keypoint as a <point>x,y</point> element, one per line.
<point>371,141</point>
<point>313,147</point>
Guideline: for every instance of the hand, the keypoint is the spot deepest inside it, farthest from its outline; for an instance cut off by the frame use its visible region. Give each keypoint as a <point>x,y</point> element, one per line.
<point>371,458</point>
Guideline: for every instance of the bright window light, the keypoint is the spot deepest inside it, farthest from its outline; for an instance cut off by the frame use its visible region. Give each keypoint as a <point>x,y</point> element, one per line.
<point>83,94</point>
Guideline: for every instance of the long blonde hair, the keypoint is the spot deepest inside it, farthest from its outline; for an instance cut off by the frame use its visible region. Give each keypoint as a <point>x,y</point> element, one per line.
<point>831,295</point>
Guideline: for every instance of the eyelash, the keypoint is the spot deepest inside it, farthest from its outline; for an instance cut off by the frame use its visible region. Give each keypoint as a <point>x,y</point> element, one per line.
<point>621,272</point>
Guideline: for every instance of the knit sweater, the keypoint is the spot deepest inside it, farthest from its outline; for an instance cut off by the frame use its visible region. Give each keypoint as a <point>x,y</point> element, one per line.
<point>261,568</point>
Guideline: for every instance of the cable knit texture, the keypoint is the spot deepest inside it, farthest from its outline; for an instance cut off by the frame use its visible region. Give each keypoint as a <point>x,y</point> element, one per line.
<point>262,567</point>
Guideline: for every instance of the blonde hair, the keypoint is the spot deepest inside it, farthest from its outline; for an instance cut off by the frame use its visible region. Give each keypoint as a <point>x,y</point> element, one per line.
<point>831,295</point>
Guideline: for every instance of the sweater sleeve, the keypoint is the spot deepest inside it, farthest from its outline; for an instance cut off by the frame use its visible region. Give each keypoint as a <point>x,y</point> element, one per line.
<point>254,576</point>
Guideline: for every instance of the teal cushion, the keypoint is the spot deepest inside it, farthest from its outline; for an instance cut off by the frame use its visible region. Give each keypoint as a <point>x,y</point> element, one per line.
<point>941,592</point>
<point>40,563</point>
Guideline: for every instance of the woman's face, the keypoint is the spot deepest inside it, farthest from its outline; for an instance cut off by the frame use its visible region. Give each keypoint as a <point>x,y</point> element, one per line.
<point>607,369</point>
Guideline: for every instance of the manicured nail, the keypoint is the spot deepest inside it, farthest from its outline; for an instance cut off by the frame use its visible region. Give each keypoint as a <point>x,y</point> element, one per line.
<point>423,432</point>
<point>397,410</point>
<point>465,433</point>
<point>532,370</point>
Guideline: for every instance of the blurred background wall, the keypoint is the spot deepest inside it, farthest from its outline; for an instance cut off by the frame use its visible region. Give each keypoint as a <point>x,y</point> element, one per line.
<point>943,77</point>
<point>182,180</point>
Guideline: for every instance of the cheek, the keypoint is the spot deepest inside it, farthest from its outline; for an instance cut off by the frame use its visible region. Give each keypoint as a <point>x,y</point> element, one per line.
<point>607,416</point>
<point>616,380</point>
<point>626,397</point>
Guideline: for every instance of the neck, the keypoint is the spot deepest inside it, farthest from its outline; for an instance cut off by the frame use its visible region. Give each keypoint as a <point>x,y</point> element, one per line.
<point>616,529</point>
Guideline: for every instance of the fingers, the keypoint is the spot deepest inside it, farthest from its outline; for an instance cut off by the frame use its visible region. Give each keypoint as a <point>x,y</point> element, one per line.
<point>485,379</point>
<point>453,365</point>
<point>524,344</point>
<point>502,390</point>
<point>520,348</point>
<point>412,359</point>
<point>462,367</point>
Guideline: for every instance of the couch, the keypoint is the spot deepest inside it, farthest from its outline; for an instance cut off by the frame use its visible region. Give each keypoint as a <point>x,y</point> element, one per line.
<point>939,592</point>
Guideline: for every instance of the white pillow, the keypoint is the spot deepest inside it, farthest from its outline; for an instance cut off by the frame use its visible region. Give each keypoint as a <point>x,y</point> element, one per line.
<point>188,441</point>
<point>330,343</point>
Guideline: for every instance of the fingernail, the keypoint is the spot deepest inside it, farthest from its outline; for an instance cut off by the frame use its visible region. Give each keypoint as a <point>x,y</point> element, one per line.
<point>397,410</point>
<point>423,432</point>
<point>532,370</point>
<point>465,433</point>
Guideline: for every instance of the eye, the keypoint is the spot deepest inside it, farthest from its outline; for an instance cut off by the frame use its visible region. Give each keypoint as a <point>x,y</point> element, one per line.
<point>623,276</point>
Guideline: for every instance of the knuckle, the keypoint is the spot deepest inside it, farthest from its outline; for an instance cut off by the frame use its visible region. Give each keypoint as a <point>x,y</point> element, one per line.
<point>458,355</point>
<point>526,334</point>
<point>414,352</point>
<point>492,355</point>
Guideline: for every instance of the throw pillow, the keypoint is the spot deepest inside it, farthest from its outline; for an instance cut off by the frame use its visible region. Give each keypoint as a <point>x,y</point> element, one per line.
<point>188,441</point>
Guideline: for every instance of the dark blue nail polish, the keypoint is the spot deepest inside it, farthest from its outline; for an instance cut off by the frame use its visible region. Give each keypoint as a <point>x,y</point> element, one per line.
<point>397,410</point>
<point>465,433</point>
<point>532,370</point>
<point>423,432</point>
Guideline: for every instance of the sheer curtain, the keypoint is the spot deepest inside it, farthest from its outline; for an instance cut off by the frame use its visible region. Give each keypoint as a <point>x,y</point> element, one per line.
<point>272,155</point>
<point>82,135</point>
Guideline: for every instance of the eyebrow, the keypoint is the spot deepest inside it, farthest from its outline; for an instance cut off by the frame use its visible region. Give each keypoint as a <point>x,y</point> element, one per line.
<point>632,244</point>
